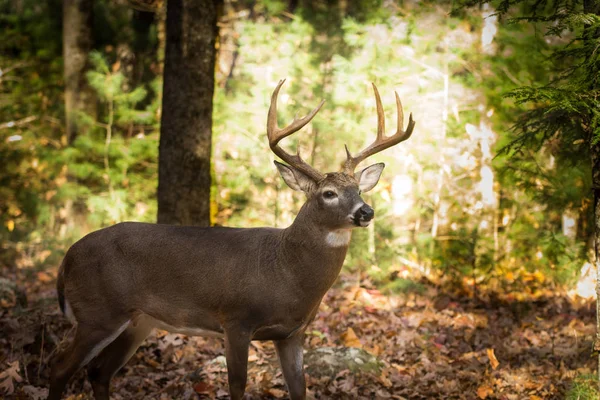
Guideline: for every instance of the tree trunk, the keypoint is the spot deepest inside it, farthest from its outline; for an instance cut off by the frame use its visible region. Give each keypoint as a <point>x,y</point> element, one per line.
<point>589,34</point>
<point>186,125</point>
<point>595,152</point>
<point>161,23</point>
<point>77,43</point>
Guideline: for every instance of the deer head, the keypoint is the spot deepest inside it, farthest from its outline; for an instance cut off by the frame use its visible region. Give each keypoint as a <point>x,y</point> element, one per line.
<point>335,194</point>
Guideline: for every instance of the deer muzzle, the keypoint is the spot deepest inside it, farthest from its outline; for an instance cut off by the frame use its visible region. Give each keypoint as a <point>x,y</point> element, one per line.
<point>364,215</point>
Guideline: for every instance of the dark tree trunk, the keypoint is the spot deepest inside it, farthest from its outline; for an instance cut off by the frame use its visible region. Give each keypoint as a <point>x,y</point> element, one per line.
<point>77,43</point>
<point>593,7</point>
<point>595,153</point>
<point>186,126</point>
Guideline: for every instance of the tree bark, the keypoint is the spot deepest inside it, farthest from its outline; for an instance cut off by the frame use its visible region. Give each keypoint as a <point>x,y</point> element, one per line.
<point>593,7</point>
<point>595,153</point>
<point>77,43</point>
<point>184,178</point>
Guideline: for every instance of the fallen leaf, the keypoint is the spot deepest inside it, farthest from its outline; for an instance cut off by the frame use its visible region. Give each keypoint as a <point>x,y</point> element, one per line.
<point>384,380</point>
<point>35,393</point>
<point>493,360</point>
<point>374,349</point>
<point>7,386</point>
<point>8,376</point>
<point>278,393</point>
<point>203,388</point>
<point>484,391</point>
<point>170,339</point>
<point>350,339</point>
<point>44,277</point>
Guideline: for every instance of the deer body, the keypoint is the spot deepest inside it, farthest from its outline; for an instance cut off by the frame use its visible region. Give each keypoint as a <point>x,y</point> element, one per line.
<point>121,282</point>
<point>195,278</point>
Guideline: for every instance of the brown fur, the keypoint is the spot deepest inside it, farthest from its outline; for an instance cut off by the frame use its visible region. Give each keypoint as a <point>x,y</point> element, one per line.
<point>246,284</point>
<point>254,284</point>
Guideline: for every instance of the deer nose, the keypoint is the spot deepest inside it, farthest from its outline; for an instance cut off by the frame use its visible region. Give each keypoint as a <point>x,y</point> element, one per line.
<point>365,213</point>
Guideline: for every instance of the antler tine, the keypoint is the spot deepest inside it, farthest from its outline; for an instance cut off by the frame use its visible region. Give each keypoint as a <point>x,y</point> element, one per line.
<point>381,142</point>
<point>411,123</point>
<point>275,135</point>
<point>380,114</point>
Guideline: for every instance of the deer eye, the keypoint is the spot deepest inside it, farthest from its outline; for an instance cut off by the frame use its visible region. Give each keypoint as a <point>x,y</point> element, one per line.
<point>328,194</point>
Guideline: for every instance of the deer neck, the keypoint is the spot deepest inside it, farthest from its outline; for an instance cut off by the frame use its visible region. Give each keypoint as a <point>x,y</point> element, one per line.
<point>315,253</point>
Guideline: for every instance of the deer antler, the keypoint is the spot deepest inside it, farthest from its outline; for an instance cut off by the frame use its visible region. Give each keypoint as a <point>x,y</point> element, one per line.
<point>381,142</point>
<point>275,135</point>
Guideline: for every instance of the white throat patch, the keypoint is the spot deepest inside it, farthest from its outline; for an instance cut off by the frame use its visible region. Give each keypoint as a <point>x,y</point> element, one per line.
<point>338,238</point>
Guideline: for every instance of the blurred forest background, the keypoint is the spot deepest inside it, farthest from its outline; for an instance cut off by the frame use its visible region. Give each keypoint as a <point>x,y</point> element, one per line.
<point>491,196</point>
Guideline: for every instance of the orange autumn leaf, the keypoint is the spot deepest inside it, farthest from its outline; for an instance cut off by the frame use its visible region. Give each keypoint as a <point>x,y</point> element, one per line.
<point>44,277</point>
<point>375,349</point>
<point>493,360</point>
<point>484,391</point>
<point>277,393</point>
<point>350,339</point>
<point>203,388</point>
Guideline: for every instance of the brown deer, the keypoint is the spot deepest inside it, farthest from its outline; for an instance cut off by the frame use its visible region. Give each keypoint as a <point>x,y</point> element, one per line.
<point>120,282</point>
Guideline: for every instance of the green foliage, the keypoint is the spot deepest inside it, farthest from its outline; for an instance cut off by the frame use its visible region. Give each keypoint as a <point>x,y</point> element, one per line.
<point>545,86</point>
<point>478,238</point>
<point>109,87</point>
<point>447,208</point>
<point>401,285</point>
<point>584,387</point>
<point>52,193</point>
<point>104,162</point>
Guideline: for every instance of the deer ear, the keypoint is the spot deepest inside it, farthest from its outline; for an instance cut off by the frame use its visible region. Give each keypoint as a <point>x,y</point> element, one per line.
<point>368,177</point>
<point>294,178</point>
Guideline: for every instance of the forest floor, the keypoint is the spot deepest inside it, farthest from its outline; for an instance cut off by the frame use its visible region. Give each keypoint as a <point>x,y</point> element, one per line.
<point>431,345</point>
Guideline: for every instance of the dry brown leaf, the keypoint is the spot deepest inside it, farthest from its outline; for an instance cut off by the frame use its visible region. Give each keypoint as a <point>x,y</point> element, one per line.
<point>35,393</point>
<point>8,376</point>
<point>44,277</point>
<point>534,397</point>
<point>484,391</point>
<point>350,339</point>
<point>385,381</point>
<point>203,388</point>
<point>493,360</point>
<point>375,349</point>
<point>278,393</point>
<point>152,362</point>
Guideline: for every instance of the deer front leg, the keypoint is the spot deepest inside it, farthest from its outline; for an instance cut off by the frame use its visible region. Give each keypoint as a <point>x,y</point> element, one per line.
<point>291,359</point>
<point>237,341</point>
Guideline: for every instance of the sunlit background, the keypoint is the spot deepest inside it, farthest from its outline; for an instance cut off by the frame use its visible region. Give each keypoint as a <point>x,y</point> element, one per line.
<point>448,208</point>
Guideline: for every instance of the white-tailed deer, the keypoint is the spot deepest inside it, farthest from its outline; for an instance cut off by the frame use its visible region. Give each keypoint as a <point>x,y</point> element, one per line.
<point>119,283</point>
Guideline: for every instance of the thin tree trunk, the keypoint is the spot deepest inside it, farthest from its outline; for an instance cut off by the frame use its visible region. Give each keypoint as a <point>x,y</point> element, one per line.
<point>593,7</point>
<point>595,152</point>
<point>440,184</point>
<point>184,179</point>
<point>161,18</point>
<point>77,43</point>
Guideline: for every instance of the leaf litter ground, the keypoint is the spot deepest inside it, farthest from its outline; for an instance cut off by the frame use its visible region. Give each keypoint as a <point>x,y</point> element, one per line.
<point>431,345</point>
